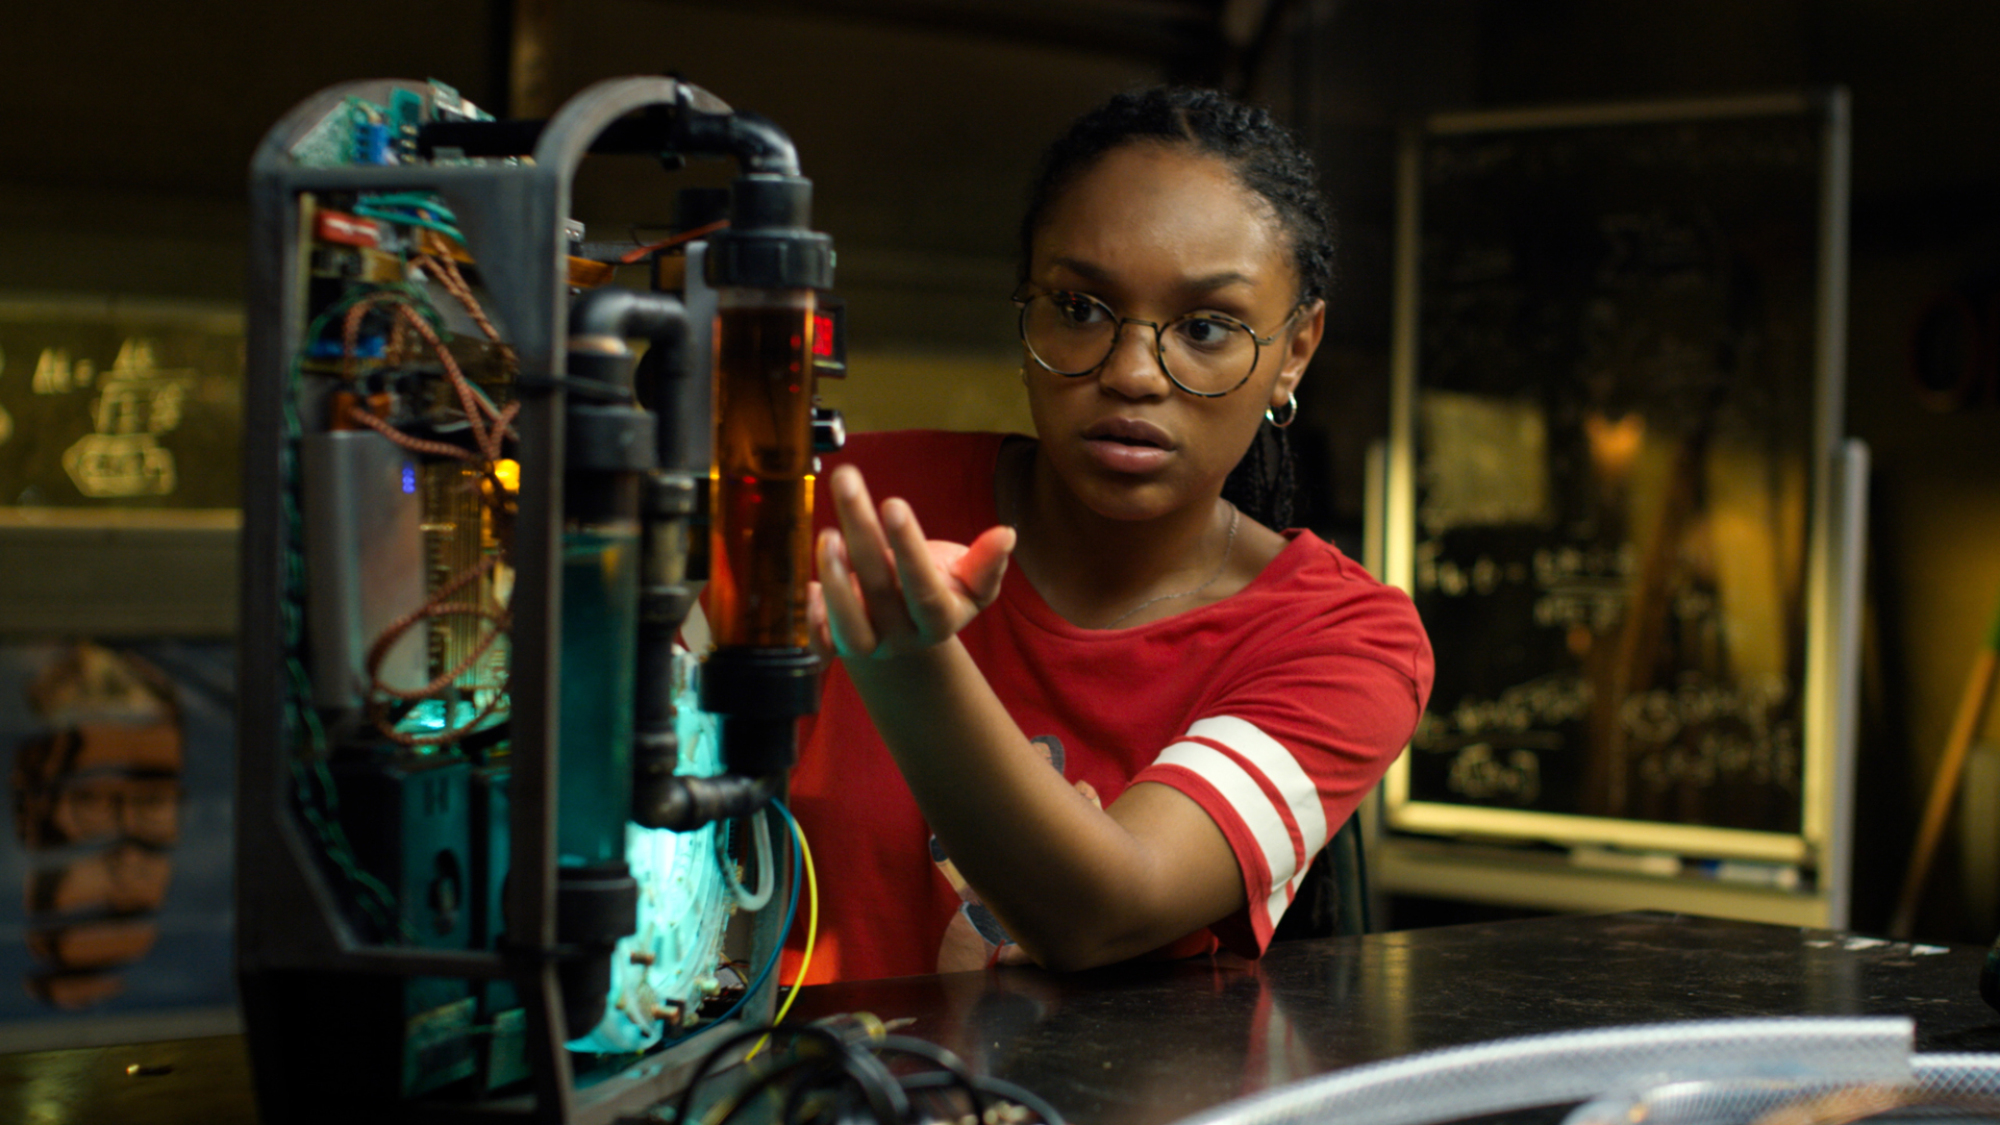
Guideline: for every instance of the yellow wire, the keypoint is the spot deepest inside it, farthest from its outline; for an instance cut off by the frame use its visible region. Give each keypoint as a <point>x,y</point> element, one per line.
<point>812,934</point>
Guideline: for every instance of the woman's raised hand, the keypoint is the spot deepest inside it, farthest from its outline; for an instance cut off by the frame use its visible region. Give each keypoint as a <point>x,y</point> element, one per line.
<point>884,589</point>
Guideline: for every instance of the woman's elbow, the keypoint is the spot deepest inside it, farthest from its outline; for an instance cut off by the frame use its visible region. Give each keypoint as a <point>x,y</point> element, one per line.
<point>1089,948</point>
<point>1068,957</point>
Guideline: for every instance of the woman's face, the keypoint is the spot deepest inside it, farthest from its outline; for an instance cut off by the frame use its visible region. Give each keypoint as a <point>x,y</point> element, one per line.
<point>1156,232</point>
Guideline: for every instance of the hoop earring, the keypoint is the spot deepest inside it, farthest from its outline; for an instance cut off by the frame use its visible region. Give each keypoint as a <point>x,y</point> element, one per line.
<point>1291,413</point>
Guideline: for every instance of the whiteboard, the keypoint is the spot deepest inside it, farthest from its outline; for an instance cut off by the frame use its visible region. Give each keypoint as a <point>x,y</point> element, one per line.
<point>1617,490</point>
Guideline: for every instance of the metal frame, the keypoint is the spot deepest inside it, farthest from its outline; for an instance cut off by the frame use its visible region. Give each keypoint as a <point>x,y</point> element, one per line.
<point>1835,560</point>
<point>288,919</point>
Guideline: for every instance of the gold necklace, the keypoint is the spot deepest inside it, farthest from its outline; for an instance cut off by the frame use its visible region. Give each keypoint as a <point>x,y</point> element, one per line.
<point>1228,546</point>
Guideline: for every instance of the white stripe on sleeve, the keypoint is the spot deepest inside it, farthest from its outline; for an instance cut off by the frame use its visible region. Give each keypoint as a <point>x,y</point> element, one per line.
<point>1278,767</point>
<point>1266,823</point>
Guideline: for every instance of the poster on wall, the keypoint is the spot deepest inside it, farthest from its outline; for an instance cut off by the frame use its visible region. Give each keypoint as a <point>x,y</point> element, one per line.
<point>119,760</point>
<point>119,404</point>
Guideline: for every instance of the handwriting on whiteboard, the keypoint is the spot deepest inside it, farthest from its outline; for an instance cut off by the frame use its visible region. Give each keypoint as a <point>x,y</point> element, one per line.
<point>1698,732</point>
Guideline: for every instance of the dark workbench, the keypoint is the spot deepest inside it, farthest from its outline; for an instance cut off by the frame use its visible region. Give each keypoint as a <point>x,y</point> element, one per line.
<point>1146,1044</point>
<point>1141,1045</point>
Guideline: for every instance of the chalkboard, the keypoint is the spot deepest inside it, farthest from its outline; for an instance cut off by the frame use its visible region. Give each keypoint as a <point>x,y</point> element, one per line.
<point>1617,397</point>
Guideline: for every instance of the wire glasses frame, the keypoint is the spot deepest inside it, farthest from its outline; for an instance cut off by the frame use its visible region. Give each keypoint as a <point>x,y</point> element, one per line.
<point>1229,324</point>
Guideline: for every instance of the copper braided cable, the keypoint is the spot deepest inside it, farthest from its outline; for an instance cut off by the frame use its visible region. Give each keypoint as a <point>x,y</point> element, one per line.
<point>438,738</point>
<point>398,351</point>
<point>435,606</point>
<point>447,274</point>
<point>415,445</point>
<point>350,328</point>
<point>489,441</point>
<point>489,426</point>
<point>444,679</point>
<point>446,271</point>
<point>431,608</point>
<point>475,408</point>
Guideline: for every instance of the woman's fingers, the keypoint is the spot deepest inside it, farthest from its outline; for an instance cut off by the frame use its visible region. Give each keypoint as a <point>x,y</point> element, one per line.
<point>849,631</point>
<point>984,564</point>
<point>819,634</point>
<point>870,560</point>
<point>885,589</point>
<point>867,548</point>
<point>927,594</point>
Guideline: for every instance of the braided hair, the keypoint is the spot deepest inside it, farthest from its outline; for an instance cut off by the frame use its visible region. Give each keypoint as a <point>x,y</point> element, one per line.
<point>1269,160</point>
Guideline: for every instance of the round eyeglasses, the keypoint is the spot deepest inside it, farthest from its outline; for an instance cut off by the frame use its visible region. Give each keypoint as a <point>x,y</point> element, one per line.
<point>1206,354</point>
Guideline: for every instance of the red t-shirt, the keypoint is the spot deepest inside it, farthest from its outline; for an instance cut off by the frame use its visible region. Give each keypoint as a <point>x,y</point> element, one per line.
<point>1275,709</point>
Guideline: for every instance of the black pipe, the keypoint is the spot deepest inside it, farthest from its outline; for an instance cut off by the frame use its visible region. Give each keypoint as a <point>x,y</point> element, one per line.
<point>758,145</point>
<point>601,362</point>
<point>613,315</point>
<point>611,441</point>
<point>684,803</point>
<point>643,134</point>
<point>754,141</point>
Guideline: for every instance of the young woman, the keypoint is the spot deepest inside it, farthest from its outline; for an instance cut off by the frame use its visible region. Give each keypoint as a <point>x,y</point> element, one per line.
<point>1215,696</point>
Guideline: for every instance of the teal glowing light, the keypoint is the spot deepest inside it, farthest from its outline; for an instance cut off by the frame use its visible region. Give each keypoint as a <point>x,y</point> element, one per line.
<point>686,895</point>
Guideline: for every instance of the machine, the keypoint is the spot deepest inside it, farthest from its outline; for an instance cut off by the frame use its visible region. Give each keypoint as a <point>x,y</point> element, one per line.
<point>506,849</point>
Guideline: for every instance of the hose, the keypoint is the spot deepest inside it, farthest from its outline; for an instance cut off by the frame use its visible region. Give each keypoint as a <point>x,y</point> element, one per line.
<point>1540,1070</point>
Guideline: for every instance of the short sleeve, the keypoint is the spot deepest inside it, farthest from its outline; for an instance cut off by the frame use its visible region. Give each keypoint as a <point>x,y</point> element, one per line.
<point>1305,720</point>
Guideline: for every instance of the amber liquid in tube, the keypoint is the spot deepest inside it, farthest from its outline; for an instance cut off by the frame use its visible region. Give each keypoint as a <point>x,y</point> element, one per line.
<point>761,511</point>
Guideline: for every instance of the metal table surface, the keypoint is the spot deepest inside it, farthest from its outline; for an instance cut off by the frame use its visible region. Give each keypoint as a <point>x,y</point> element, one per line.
<point>1147,1044</point>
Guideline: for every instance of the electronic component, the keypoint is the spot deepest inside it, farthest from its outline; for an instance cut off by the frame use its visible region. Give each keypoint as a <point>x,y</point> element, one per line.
<point>364,553</point>
<point>491,851</point>
<point>829,347</point>
<point>346,230</point>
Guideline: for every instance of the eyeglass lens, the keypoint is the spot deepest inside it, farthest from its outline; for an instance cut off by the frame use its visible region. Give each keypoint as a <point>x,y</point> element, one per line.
<point>1072,333</point>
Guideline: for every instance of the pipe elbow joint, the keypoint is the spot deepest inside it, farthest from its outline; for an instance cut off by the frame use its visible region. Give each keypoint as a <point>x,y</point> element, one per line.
<point>618,313</point>
<point>754,141</point>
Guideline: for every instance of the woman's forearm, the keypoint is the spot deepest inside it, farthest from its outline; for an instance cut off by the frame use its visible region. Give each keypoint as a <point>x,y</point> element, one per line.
<point>1075,885</point>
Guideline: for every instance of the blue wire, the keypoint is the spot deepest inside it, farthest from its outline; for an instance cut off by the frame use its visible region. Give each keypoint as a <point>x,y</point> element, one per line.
<point>791,912</point>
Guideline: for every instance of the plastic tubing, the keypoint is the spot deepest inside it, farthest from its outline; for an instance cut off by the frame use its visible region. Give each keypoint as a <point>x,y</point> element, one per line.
<point>1540,1070</point>
<point>1687,1103</point>
<point>1966,1073</point>
<point>767,879</point>
<point>1941,1076</point>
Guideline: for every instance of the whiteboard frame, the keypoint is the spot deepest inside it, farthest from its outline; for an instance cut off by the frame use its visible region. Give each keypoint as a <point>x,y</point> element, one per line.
<point>1431,866</point>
